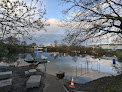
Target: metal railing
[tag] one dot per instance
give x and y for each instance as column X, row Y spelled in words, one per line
column 87, row 66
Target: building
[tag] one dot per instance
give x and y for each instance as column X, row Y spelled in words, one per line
column 111, row 46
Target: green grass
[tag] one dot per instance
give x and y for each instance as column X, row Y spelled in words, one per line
column 113, row 87
column 119, row 55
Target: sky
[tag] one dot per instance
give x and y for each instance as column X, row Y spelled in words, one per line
column 53, row 15
column 54, row 32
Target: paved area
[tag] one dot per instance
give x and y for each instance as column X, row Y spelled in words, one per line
column 33, row 81
column 52, row 85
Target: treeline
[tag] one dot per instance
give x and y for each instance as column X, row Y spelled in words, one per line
column 81, row 50
column 12, row 45
column 119, row 55
column 9, row 46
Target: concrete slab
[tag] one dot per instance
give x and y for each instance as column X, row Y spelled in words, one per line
column 32, row 71
column 33, row 81
column 5, row 85
column 5, row 75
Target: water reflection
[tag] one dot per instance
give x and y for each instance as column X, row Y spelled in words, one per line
column 79, row 66
column 83, row 68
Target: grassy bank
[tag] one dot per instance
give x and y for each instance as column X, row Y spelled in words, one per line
column 119, row 55
column 105, row 84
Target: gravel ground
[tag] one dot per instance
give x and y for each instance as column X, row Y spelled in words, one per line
column 19, row 79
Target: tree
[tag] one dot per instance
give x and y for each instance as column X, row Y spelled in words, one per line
column 12, row 41
column 23, row 43
column 89, row 19
column 33, row 44
column 18, row 18
column 41, row 45
column 55, row 43
column 3, row 49
column 117, row 40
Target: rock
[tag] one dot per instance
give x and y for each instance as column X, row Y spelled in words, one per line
column 33, row 81
column 77, row 91
column 26, row 73
column 5, row 85
column 5, row 75
column 60, row 74
column 32, row 71
column 4, row 66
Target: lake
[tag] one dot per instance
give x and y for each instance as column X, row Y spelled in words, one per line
column 83, row 68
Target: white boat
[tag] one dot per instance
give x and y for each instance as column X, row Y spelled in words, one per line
column 40, row 58
column 43, row 57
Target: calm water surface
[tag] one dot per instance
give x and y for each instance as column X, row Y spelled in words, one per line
column 84, row 69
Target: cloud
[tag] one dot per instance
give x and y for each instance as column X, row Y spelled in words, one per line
column 53, row 21
column 47, row 39
column 54, row 32
column 54, row 25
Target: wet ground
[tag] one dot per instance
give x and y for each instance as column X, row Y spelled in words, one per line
column 84, row 69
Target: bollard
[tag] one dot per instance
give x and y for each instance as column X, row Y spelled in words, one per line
column 99, row 59
column 114, row 61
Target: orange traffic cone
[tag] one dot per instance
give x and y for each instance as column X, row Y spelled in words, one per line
column 72, row 83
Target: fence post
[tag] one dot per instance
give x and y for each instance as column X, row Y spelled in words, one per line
column 81, row 69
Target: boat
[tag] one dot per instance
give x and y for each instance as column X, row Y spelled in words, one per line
column 36, row 59
column 43, row 57
column 29, row 59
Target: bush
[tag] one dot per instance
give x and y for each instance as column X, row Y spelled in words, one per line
column 119, row 55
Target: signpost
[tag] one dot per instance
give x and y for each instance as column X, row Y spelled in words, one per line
column 37, row 54
column 45, row 51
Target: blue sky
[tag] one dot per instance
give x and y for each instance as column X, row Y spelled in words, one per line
column 53, row 16
column 54, row 10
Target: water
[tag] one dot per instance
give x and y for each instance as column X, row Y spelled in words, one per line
column 84, row 69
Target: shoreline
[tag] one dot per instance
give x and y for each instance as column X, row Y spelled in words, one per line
column 110, row 83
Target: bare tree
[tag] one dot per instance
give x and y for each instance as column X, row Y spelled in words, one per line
column 88, row 19
column 18, row 18
column 117, row 40
column 55, row 43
